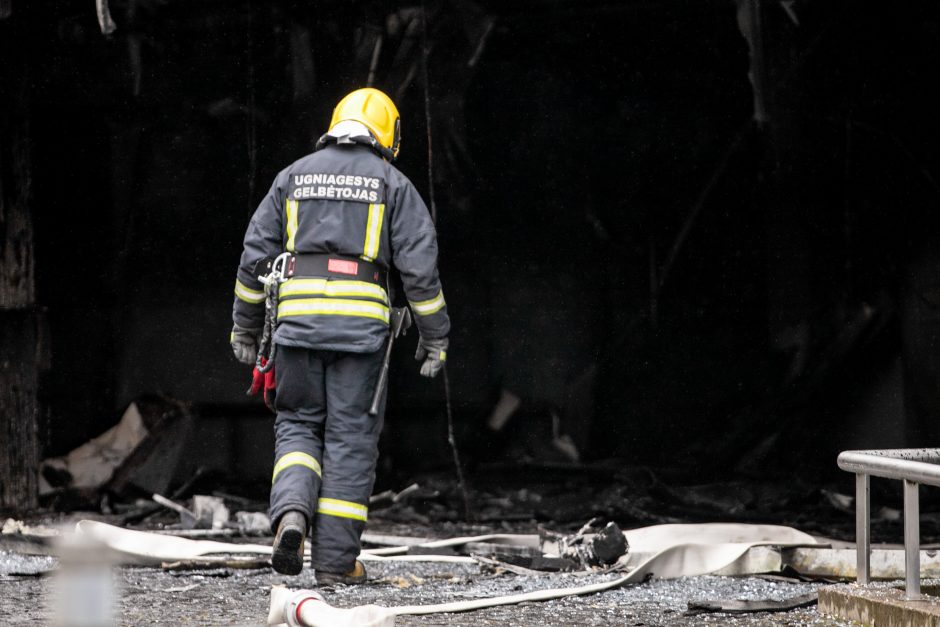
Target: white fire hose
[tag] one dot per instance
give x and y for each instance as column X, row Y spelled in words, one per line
column 306, row 608
column 673, row 550
column 678, row 551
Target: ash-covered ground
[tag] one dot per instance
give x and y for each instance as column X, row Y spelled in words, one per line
column 151, row 596
column 517, row 503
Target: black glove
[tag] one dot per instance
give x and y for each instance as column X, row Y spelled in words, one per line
column 245, row 344
column 434, row 354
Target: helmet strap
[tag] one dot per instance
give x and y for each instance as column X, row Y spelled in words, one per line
column 370, row 141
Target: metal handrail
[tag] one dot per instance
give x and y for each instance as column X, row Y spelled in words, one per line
column 913, row 467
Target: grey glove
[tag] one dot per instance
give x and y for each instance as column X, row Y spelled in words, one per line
column 245, row 344
column 434, row 354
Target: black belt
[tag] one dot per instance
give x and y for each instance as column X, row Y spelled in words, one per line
column 319, row 265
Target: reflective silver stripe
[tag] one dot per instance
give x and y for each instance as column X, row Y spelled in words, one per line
column 370, row 249
column 247, row 294
column 332, row 307
column 342, row 509
column 427, row 307
column 292, row 208
column 296, row 458
column 317, row 287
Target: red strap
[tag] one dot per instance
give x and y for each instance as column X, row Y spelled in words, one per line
column 270, row 388
column 300, row 605
column 258, row 380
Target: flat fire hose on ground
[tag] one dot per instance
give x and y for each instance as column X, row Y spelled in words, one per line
column 675, row 551
column 710, row 546
column 306, row 608
column 726, row 544
column 140, row 548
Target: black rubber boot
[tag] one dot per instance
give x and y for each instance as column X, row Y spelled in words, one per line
column 356, row 575
column 288, row 556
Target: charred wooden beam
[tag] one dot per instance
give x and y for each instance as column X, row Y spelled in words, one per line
column 20, row 364
column 21, row 355
column 17, row 266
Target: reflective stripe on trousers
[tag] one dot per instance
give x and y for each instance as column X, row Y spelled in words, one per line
column 297, row 458
column 342, row 509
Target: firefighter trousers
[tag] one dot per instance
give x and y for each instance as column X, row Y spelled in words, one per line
column 326, row 447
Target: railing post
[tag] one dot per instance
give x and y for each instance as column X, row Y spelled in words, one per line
column 911, row 539
column 862, row 528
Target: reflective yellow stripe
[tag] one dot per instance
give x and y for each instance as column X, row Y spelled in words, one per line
column 247, row 294
column 343, row 509
column 292, row 208
column 443, row 356
column 427, row 307
column 370, row 250
column 332, row 307
column 317, row 287
column 296, row 459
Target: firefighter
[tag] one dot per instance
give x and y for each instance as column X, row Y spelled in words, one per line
column 347, row 216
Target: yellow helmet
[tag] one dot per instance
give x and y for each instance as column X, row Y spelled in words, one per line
column 377, row 112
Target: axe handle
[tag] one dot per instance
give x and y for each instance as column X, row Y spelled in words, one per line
column 400, row 322
column 383, row 377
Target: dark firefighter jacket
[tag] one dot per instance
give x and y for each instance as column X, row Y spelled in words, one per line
column 343, row 200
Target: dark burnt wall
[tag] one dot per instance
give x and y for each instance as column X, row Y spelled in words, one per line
column 23, row 337
column 620, row 240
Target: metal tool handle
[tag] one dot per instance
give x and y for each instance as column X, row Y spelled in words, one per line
column 383, row 378
column 400, row 322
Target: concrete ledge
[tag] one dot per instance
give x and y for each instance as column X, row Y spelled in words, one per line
column 879, row 605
